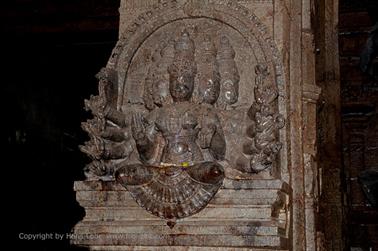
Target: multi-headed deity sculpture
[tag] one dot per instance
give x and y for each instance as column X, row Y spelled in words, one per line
column 171, row 151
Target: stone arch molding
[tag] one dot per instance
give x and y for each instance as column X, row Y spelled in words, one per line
column 225, row 11
column 256, row 147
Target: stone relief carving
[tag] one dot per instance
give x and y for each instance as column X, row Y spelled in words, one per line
column 174, row 180
column 229, row 74
column 184, row 117
column 209, row 79
column 265, row 123
column 108, row 136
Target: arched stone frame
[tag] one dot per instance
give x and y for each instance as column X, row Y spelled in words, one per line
column 227, row 12
column 293, row 31
column 297, row 79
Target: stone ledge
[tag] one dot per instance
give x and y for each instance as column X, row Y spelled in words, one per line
column 176, row 248
column 227, row 184
column 224, row 194
column 210, row 213
column 203, row 228
column 129, row 202
column 236, row 240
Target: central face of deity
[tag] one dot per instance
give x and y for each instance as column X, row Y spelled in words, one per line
column 181, row 86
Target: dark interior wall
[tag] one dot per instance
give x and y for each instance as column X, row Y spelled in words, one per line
column 51, row 51
column 359, row 114
column 330, row 213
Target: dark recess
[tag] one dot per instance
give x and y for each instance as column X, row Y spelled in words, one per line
column 51, row 51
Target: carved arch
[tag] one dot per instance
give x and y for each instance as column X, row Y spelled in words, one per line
column 227, row 12
column 240, row 19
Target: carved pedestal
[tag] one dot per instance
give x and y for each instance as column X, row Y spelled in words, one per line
column 242, row 215
column 199, row 138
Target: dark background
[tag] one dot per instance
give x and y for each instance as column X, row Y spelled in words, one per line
column 51, row 51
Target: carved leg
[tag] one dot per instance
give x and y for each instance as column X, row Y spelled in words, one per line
column 207, row 172
column 133, row 175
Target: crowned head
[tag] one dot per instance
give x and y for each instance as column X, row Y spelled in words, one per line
column 183, row 69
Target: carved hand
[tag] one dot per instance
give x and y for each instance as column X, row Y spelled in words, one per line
column 137, row 127
column 205, row 135
column 97, row 105
column 94, row 148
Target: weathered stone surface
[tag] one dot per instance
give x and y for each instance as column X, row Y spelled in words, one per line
column 329, row 126
column 186, row 240
column 131, row 9
column 180, row 119
column 103, row 203
column 230, row 164
column 209, row 213
column 243, row 217
column 264, row 228
column 250, row 184
column 224, row 197
column 176, row 248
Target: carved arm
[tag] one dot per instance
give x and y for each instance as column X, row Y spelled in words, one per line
column 149, row 149
column 218, row 146
column 211, row 136
column 115, row 116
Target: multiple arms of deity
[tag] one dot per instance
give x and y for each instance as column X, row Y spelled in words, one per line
column 211, row 136
column 148, row 142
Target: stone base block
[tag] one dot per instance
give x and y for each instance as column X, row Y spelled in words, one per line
column 176, row 248
column 243, row 214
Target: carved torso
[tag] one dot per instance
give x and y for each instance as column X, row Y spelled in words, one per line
column 178, row 125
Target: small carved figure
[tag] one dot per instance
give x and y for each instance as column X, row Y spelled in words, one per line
column 266, row 122
column 157, row 82
column 160, row 88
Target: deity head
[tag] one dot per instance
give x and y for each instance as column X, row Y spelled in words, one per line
column 160, row 92
column 226, row 51
column 209, row 79
column 210, row 91
column 160, row 86
column 183, row 70
column 229, row 72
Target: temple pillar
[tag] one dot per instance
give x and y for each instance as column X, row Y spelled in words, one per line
column 269, row 196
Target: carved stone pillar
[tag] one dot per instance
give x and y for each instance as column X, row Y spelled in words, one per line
column 311, row 172
column 329, row 125
column 203, row 135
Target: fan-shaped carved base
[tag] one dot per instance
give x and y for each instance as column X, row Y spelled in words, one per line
column 172, row 192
